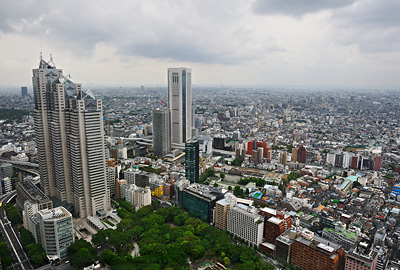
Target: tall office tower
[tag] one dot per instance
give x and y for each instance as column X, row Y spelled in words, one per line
column 180, row 103
column 53, row 230
column 161, row 132
column 192, row 161
column 24, row 91
column 69, row 136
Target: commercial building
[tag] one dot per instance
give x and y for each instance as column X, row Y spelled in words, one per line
column 180, row 103
column 161, row 132
column 200, row 200
column 245, row 222
column 362, row 256
column 6, row 170
column 52, row 228
column 24, row 91
column 221, row 211
column 315, row 253
column 69, row 135
column 192, row 161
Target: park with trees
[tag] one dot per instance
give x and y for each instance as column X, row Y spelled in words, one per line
column 168, row 239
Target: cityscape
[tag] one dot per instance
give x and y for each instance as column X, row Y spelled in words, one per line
column 223, row 144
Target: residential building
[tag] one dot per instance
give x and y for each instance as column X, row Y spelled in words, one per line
column 69, row 135
column 180, row 103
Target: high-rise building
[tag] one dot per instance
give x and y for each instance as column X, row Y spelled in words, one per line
column 161, row 132
column 180, row 103
column 302, row 155
column 69, row 136
column 24, row 91
column 294, row 154
column 192, row 161
column 52, row 228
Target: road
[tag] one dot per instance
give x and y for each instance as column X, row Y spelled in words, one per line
column 21, row 261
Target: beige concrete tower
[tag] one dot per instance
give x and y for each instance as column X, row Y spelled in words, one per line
column 180, row 103
column 70, row 140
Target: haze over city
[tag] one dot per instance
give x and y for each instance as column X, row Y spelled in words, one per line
column 291, row 43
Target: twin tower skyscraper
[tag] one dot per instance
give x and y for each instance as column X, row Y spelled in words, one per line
column 70, row 141
column 69, row 135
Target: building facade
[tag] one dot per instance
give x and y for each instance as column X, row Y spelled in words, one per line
column 244, row 222
column 362, row 256
column 315, row 253
column 192, row 159
column 69, row 135
column 54, row 229
column 221, row 211
column 161, row 132
column 180, row 103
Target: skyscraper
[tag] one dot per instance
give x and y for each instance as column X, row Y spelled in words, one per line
column 161, row 132
column 24, row 91
column 192, row 161
column 69, row 136
column 180, row 103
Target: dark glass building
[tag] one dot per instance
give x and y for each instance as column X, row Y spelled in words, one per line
column 192, row 161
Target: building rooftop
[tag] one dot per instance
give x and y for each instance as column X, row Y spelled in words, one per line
column 207, row 192
column 54, row 214
column 33, row 190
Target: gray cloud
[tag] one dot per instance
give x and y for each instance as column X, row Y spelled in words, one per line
column 374, row 26
column 179, row 30
column 297, row 7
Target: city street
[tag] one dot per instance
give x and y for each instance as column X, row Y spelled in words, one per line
column 21, row 261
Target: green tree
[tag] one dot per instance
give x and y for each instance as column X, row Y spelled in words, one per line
column 226, row 261
column 222, row 175
column 107, row 255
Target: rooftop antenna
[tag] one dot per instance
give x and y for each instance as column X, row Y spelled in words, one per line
column 51, row 57
column 41, row 57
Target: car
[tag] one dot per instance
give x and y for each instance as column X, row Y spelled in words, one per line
column 67, row 262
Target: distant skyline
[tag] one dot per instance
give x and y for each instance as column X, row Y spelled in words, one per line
column 310, row 43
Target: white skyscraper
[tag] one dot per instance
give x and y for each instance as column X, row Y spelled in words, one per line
column 69, row 136
column 180, row 103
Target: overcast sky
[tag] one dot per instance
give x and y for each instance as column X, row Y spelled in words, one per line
column 248, row 42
